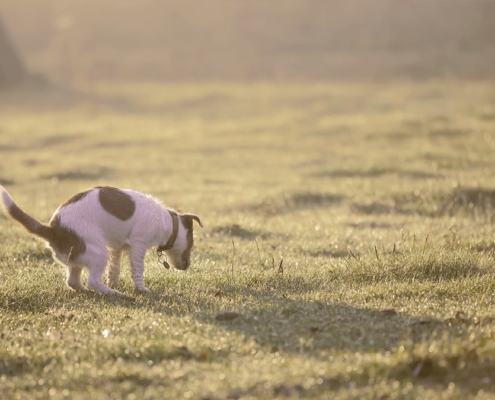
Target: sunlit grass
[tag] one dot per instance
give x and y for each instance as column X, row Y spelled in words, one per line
column 350, row 226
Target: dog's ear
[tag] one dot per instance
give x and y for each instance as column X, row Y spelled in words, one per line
column 193, row 217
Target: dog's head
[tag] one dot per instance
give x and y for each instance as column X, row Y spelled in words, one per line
column 180, row 253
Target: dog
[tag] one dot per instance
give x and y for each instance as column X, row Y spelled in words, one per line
column 93, row 228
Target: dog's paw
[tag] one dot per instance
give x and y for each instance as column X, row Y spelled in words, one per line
column 78, row 287
column 107, row 291
column 115, row 293
column 142, row 290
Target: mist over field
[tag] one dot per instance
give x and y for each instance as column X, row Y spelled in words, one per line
column 340, row 155
column 254, row 40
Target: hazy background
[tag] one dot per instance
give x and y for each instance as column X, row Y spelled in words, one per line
column 340, row 155
column 292, row 40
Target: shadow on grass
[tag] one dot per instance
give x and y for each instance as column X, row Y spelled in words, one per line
column 337, row 253
column 237, row 231
column 374, row 173
column 91, row 174
column 321, row 330
column 471, row 202
column 281, row 324
column 280, row 314
column 7, row 182
column 296, row 201
column 49, row 96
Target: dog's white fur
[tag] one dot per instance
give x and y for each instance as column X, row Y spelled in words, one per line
column 105, row 236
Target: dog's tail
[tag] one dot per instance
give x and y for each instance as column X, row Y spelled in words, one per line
column 30, row 223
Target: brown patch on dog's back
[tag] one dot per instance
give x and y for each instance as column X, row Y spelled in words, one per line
column 66, row 241
column 76, row 198
column 117, row 203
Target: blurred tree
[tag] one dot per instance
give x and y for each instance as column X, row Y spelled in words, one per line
column 11, row 68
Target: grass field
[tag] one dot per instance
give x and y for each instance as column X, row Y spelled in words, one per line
column 350, row 226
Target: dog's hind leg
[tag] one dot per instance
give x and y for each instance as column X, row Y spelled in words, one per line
column 96, row 259
column 74, row 277
column 137, row 254
column 114, row 267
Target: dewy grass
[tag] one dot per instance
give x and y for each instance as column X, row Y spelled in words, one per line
column 433, row 264
column 348, row 243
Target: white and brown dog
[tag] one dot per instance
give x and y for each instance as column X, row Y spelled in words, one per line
column 94, row 227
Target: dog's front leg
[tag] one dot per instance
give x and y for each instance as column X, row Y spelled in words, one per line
column 114, row 268
column 137, row 254
column 74, row 277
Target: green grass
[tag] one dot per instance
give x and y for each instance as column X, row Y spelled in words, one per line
column 350, row 226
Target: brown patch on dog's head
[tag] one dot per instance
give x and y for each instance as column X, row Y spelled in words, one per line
column 188, row 218
column 116, row 203
column 66, row 244
column 182, row 260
